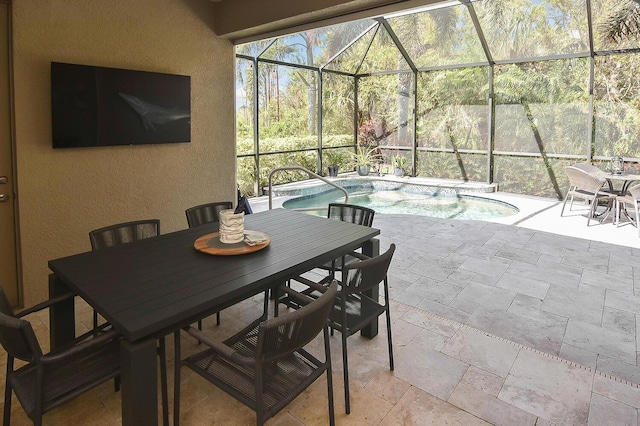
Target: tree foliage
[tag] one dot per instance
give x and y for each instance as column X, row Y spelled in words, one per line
column 538, row 93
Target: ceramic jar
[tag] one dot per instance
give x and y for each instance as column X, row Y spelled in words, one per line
column 231, row 226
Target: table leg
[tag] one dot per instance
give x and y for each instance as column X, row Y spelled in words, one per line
column 139, row 383
column 371, row 248
column 62, row 315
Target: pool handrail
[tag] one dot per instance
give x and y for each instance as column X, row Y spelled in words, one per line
column 311, row 174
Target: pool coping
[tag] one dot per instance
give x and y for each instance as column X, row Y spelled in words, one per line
column 431, row 185
column 528, row 206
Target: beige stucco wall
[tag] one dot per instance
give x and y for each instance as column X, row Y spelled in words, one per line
column 63, row 194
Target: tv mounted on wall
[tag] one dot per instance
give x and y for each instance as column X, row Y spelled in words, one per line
column 97, row 106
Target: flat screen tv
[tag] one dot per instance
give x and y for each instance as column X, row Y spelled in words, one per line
column 97, row 106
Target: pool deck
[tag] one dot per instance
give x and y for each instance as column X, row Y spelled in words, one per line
column 536, row 213
column 537, row 279
column 563, row 296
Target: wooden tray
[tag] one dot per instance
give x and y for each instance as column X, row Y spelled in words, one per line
column 210, row 243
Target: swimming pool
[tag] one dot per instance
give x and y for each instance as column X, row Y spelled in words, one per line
column 399, row 201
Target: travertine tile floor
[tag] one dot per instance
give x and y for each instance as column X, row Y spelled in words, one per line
column 446, row 373
column 492, row 324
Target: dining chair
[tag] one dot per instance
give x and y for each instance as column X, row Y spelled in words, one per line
column 347, row 213
column 46, row 381
column 265, row 366
column 587, row 167
column 632, row 200
column 351, row 213
column 589, row 187
column 354, row 307
column 207, row 213
column 124, row 233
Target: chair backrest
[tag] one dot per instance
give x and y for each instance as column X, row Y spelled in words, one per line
column 351, row 213
column 635, row 192
column 282, row 335
column 16, row 335
column 206, row 213
column 365, row 274
column 580, row 179
column 589, row 168
column 123, row 233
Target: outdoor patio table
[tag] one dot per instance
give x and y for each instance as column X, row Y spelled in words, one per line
column 152, row 287
column 626, row 178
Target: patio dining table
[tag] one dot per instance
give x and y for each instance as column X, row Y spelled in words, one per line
column 149, row 288
column 626, row 178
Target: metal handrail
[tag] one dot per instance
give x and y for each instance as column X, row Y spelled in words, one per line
column 311, row 174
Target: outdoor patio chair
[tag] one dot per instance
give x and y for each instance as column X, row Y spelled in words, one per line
column 587, row 186
column 207, row 213
column 354, row 308
column 347, row 213
column 351, row 213
column 264, row 366
column 632, row 200
column 46, row 381
column 124, row 233
column 587, row 167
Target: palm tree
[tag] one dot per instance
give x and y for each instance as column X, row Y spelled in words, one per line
column 621, row 21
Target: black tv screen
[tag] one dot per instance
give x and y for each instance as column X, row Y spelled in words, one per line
column 97, row 106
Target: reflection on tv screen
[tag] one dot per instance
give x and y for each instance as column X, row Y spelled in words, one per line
column 97, row 106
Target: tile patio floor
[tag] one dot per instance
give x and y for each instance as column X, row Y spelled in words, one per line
column 493, row 323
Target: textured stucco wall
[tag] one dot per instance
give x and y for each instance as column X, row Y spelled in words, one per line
column 63, row 194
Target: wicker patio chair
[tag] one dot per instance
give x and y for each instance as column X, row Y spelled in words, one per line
column 632, row 200
column 353, row 308
column 46, row 381
column 589, row 187
column 264, row 366
column 207, row 213
column 587, row 167
column 124, row 233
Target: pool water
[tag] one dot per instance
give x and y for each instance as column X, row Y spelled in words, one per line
column 447, row 206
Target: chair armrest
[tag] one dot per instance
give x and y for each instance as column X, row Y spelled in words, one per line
column 359, row 255
column 45, row 304
column 312, row 284
column 51, row 358
column 296, row 296
column 220, row 348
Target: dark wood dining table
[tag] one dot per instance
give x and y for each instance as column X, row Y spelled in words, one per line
column 149, row 288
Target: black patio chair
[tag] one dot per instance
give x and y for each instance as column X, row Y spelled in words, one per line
column 49, row 380
column 351, row 213
column 347, row 213
column 207, row 213
column 124, row 233
column 353, row 309
column 264, row 366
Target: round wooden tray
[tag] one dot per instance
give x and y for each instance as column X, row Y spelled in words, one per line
column 210, row 243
